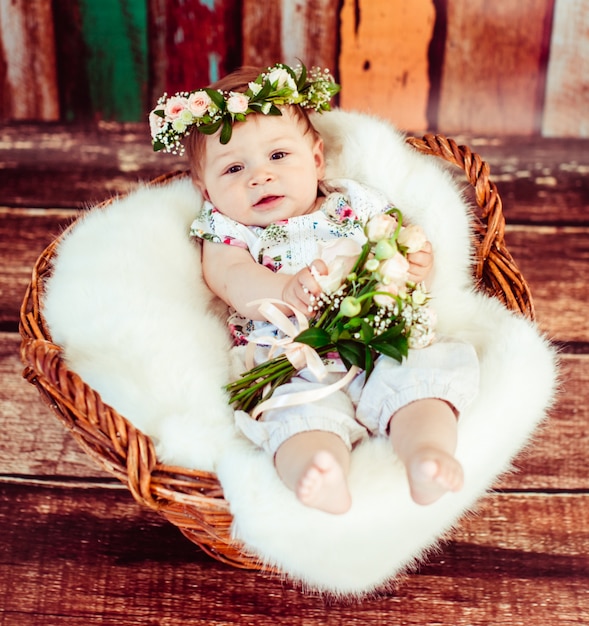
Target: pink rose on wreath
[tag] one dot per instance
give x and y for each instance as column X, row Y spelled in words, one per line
column 174, row 107
column 199, row 103
column 237, row 103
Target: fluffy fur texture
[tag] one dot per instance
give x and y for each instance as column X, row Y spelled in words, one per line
column 127, row 303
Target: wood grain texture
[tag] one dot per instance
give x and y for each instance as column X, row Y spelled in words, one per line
column 555, row 262
column 494, row 66
column 289, row 31
column 384, row 59
column 29, row 87
column 566, row 110
column 97, row 558
column 34, row 443
column 541, row 181
column 81, row 164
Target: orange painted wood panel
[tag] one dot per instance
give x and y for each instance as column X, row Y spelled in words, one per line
column 566, row 111
column 494, row 66
column 28, row 82
column 384, row 59
column 291, row 30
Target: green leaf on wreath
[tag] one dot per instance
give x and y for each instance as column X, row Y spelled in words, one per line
column 226, row 132
column 217, row 98
column 302, row 78
column 210, row 129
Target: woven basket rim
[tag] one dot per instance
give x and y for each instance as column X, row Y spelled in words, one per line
column 193, row 500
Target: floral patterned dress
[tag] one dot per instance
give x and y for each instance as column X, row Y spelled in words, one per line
column 289, row 245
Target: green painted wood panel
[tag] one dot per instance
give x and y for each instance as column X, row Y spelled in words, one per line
column 115, row 36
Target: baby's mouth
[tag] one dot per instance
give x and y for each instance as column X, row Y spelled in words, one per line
column 266, row 201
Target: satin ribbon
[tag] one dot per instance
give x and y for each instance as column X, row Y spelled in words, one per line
column 299, row 354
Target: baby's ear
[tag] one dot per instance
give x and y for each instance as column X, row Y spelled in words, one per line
column 200, row 186
column 319, row 156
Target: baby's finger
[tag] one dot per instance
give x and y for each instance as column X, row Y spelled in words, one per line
column 319, row 266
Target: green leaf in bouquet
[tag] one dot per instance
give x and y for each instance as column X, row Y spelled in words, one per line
column 352, row 352
column 394, row 345
column 367, row 331
column 369, row 363
column 314, row 337
column 361, row 258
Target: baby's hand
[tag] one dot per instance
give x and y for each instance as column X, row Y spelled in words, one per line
column 300, row 288
column 421, row 263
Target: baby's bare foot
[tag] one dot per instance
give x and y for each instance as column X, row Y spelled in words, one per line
column 432, row 473
column 324, row 486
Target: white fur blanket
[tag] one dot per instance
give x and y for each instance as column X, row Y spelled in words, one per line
column 127, row 303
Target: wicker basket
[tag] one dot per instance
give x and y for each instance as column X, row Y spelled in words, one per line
column 193, row 500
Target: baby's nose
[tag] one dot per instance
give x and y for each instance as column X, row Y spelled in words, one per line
column 260, row 176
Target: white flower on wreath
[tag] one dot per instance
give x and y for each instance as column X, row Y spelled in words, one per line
column 156, row 123
column 178, row 125
column 282, row 79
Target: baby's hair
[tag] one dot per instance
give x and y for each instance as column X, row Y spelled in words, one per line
column 237, row 81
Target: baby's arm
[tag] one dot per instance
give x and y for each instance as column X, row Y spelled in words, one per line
column 232, row 274
column 421, row 264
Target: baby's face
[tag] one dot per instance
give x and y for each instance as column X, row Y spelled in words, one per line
column 267, row 172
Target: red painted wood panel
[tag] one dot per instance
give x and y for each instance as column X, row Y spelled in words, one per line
column 202, row 42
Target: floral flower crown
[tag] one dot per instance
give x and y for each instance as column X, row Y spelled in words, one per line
column 208, row 110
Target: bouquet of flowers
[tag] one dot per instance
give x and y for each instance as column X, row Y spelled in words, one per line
column 368, row 307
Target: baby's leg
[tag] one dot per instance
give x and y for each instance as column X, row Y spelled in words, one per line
column 315, row 464
column 423, row 434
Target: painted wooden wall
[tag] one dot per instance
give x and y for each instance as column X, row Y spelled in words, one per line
column 510, row 67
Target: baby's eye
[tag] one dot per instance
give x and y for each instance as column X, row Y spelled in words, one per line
column 233, row 169
column 279, row 154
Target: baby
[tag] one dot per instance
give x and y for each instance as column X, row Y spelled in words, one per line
column 259, row 164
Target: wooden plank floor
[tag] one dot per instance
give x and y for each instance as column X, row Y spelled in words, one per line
column 77, row 550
